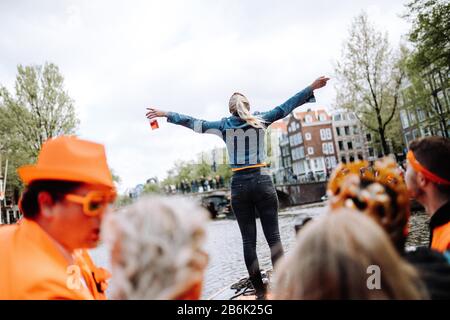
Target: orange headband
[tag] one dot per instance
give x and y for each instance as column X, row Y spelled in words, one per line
column 428, row 174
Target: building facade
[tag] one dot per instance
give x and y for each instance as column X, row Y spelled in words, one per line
column 426, row 120
column 274, row 136
column 311, row 140
column 352, row 142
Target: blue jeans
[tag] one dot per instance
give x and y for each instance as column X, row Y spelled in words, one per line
column 253, row 189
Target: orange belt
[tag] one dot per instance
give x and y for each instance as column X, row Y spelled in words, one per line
column 258, row 165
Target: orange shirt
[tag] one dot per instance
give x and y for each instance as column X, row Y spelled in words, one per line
column 441, row 238
column 440, row 229
column 33, row 267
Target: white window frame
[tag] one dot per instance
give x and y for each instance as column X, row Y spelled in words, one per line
column 308, row 136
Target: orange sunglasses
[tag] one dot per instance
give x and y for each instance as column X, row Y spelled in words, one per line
column 93, row 203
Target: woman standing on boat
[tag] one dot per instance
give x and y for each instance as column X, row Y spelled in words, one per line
column 251, row 184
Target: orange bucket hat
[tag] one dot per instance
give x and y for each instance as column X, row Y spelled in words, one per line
column 71, row 159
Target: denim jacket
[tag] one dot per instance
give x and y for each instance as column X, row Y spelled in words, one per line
column 245, row 144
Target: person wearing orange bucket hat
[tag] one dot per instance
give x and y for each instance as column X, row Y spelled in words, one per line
column 44, row 256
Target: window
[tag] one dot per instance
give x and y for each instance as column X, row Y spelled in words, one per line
column 294, row 154
column 408, row 138
column 351, row 116
column 301, row 166
column 310, row 150
column 325, row 148
column 355, row 130
column 426, row 131
column 333, row 162
column 291, row 141
column 337, row 117
column 370, row 152
column 302, row 152
column 318, row 164
column 360, row 156
column 297, row 125
column 323, row 135
column 308, row 136
column 412, row 117
column 404, row 119
column 292, row 126
column 308, row 119
column 347, row 130
column 338, row 131
column 421, row 114
column 341, row 145
column 343, row 160
column 369, row 137
column 322, row 117
column 352, row 158
column 330, row 148
column 328, row 132
column 350, row 146
column 415, row 134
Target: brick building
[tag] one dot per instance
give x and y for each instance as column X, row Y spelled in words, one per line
column 311, row 141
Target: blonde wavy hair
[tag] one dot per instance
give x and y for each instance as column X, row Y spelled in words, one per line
column 331, row 259
column 240, row 106
column 156, row 248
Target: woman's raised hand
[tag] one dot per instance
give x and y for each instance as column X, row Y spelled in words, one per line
column 319, row 83
column 155, row 113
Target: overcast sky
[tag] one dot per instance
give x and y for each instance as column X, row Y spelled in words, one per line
column 119, row 57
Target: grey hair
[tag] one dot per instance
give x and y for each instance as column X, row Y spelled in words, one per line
column 239, row 105
column 156, row 248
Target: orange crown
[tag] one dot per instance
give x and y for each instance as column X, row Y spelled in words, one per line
column 377, row 190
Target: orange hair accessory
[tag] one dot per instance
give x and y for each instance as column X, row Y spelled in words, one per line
column 428, row 174
column 359, row 186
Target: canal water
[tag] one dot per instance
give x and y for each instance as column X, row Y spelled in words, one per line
column 224, row 245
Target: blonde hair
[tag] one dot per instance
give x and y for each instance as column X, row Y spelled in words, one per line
column 240, row 106
column 331, row 259
column 156, row 248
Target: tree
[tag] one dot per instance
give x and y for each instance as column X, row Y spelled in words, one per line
column 40, row 109
column 430, row 32
column 369, row 78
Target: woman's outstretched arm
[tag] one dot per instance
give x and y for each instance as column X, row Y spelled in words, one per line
column 198, row 125
column 306, row 95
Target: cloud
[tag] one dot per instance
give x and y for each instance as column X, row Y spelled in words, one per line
column 119, row 57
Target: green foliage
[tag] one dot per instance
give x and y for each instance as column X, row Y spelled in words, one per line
column 39, row 109
column 430, row 32
column 122, row 201
column 151, row 188
column 190, row 170
column 369, row 78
